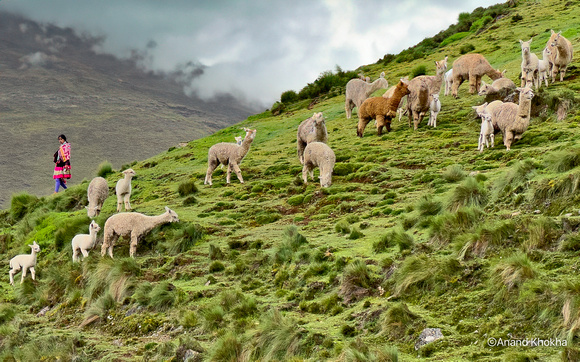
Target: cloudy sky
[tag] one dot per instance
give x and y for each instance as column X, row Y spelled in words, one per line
column 255, row 49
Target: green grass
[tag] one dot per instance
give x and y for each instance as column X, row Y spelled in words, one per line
column 418, row 230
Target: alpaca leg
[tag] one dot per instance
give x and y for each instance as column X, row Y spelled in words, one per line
column 555, row 70
column 75, row 255
column 348, row 108
column 238, row 172
column 305, row 174
column 211, row 166
column 85, row 253
column 472, row 83
column 32, row 273
column 301, row 145
column 380, row 124
column 229, row 173
column 524, row 77
column 12, row 273
column 23, row 275
column 410, row 116
column 126, row 199
column 492, row 139
column 388, row 124
column 119, row 202
column 562, row 73
column 455, row 86
column 362, row 123
column 133, row 247
column 508, row 140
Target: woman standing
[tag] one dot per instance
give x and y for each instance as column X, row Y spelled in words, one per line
column 62, row 164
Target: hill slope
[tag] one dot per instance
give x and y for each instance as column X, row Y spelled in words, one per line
column 53, row 82
column 418, row 230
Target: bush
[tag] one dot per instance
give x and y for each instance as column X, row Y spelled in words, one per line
column 466, row 48
column 289, row 97
column 342, row 227
column 187, row 188
column 418, row 70
column 105, row 168
column 21, row 204
column 216, row 266
column 453, row 38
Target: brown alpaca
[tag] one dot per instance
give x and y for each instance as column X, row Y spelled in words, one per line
column 472, row 67
column 562, row 53
column 420, row 88
column 381, row 109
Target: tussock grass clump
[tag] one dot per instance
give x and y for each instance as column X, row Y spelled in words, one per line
column 570, row 242
column 187, row 188
column 116, row 276
column 453, row 173
column 468, row 193
column 101, row 306
column 493, row 233
column 512, row 272
column 7, row 313
column 229, row 347
column 21, row 204
column 558, row 193
column 292, row 241
column 562, row 161
column 514, row 181
column 355, row 234
column 542, row 233
column 215, row 252
column 356, row 280
column 163, row 296
column 395, row 237
column 278, row 338
column 420, row 273
column 216, row 267
column 189, row 319
column 342, row 227
column 68, row 229
column 397, row 320
column 426, row 206
column 183, row 237
column 214, row 318
column 104, row 169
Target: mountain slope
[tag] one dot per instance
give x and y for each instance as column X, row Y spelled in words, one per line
column 418, row 230
column 53, row 82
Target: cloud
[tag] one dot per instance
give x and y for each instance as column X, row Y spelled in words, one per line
column 258, row 48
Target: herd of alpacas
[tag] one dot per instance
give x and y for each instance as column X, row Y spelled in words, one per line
column 416, row 97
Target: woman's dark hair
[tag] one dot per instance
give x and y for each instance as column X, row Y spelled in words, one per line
column 63, row 137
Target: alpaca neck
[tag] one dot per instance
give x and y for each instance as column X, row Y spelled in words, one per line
column 397, row 96
column 374, row 86
column 244, row 148
column 33, row 254
column 562, row 49
column 524, row 109
column 158, row 220
column 93, row 235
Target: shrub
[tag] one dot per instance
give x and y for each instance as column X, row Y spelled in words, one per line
column 163, row 296
column 355, row 234
column 187, row 188
column 453, row 38
column 21, row 204
column 418, row 70
column 480, row 23
column 105, row 168
column 216, row 266
column 289, row 97
column 466, row 48
column 342, row 227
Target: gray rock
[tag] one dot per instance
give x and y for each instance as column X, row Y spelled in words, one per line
column 427, row 336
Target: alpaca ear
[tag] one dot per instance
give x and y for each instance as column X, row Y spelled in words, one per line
column 521, row 41
column 552, row 30
column 167, row 208
column 531, row 39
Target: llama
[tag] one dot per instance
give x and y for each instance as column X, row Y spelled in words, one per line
column 420, row 89
column 358, row 90
column 84, row 242
column 472, row 67
column 562, row 54
column 123, row 190
column 512, row 119
column 133, row 225
column 24, row 262
column 381, row 109
column 229, row 154
column 530, row 65
column 435, row 108
column 310, row 130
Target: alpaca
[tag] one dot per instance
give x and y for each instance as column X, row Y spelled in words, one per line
column 448, row 81
column 358, row 90
column 420, row 89
column 229, row 154
column 486, row 134
column 472, row 67
column 310, row 130
column 24, row 262
column 544, row 67
column 381, row 109
column 84, row 242
column 512, row 119
column 318, row 154
column 134, row 225
column 530, row 65
column 435, row 108
column 501, row 89
column 97, row 193
column 123, row 190
column 562, row 54
column 486, row 108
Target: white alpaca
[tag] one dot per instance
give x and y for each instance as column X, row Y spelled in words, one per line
column 358, row 90
column 134, row 225
column 544, row 67
column 486, row 134
column 24, row 262
column 97, row 194
column 123, row 190
column 85, row 242
column 448, row 81
column 435, row 108
column 229, row 154
column 529, row 65
column 318, row 154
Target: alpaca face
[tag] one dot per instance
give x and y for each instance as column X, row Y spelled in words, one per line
column 250, row 135
column 403, row 87
column 94, row 227
column 526, row 93
column 325, row 180
column 525, row 46
column 129, row 172
column 556, row 39
column 35, row 247
column 173, row 214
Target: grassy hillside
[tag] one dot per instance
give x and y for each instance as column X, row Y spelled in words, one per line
column 418, row 230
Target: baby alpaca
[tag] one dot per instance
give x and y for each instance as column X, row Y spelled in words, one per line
column 84, row 242
column 486, row 134
column 134, row 225
column 97, row 194
column 312, row 129
column 229, row 154
column 123, row 190
column 435, row 107
column 24, row 262
column 529, row 65
column 544, row 67
column 318, row 154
